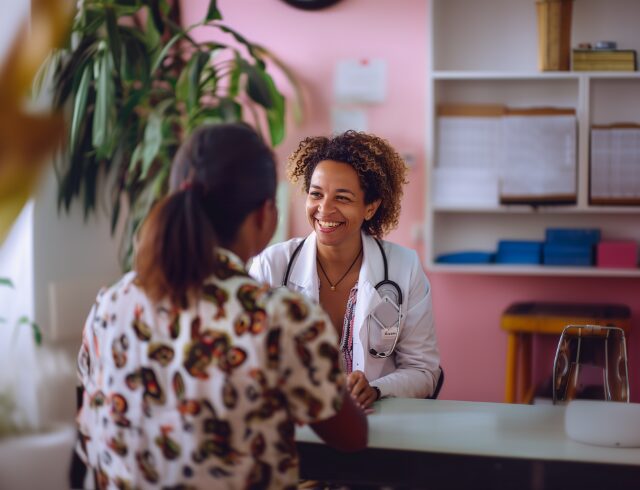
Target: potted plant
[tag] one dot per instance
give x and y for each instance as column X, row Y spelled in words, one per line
column 32, row 429
column 137, row 83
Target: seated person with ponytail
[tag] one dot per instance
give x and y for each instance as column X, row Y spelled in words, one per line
column 194, row 374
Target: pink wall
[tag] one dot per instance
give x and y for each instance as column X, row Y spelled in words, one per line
column 467, row 308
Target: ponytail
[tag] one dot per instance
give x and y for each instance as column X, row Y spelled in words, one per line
column 175, row 251
column 219, row 175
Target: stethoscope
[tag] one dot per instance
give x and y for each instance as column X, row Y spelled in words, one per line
column 391, row 295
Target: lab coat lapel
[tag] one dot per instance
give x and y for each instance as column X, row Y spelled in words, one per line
column 371, row 273
column 304, row 275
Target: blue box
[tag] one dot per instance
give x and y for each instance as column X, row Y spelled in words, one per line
column 568, row 254
column 519, row 252
column 466, row 258
column 518, row 258
column 589, row 236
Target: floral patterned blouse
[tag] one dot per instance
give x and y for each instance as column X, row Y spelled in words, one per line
column 204, row 397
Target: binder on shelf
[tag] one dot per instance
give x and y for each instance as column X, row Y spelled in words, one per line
column 604, row 60
column 540, row 156
column 604, row 55
column 604, row 66
column 615, row 164
column 520, row 155
column 468, row 155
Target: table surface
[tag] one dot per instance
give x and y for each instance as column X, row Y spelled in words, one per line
column 532, row 432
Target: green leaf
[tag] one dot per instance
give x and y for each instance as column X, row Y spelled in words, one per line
column 213, row 12
column 37, row 333
column 234, row 76
column 135, row 59
column 157, row 15
column 115, row 43
column 230, row 110
column 80, row 104
column 298, row 101
column 136, row 157
column 242, row 40
column 152, row 33
column 207, row 115
column 90, row 182
column 276, row 113
column 162, row 54
column 69, row 70
column 153, row 137
column 258, row 87
column 5, row 281
column 188, row 85
column 152, row 142
column 100, row 115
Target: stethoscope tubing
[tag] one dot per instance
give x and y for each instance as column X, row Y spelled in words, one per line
column 385, row 281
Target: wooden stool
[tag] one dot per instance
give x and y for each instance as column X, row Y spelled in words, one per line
column 522, row 320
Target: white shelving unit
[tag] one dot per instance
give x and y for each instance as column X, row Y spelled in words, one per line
column 485, row 52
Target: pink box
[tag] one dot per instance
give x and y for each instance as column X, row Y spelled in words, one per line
column 617, row 253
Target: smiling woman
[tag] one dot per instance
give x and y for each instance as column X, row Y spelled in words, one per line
column 375, row 292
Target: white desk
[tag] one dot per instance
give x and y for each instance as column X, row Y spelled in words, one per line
column 509, row 444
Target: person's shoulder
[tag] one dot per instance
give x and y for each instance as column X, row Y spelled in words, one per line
column 122, row 290
column 272, row 261
column 287, row 307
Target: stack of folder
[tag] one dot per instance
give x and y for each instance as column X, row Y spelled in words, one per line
column 519, row 252
column 604, row 60
column 570, row 246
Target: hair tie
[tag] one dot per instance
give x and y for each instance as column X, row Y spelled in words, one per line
column 187, row 185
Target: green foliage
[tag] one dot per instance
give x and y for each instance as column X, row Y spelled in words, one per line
column 138, row 83
column 23, row 320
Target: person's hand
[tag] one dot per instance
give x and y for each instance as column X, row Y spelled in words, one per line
column 361, row 391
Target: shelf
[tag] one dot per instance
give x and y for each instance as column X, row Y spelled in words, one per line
column 533, row 270
column 506, row 75
column 471, row 63
column 523, row 209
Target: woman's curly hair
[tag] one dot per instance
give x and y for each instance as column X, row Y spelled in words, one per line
column 380, row 168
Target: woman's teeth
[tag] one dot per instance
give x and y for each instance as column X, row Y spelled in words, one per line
column 328, row 224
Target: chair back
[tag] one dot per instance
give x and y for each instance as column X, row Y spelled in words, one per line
column 588, row 353
column 439, row 384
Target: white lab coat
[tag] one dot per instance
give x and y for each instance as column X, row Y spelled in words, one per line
column 413, row 369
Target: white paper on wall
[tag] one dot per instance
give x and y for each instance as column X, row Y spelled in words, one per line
column 361, row 81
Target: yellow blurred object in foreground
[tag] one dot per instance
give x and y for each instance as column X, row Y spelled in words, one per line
column 26, row 140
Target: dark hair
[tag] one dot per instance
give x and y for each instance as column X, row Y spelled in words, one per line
column 380, row 169
column 219, row 175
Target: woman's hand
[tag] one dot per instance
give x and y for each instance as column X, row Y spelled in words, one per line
column 361, row 391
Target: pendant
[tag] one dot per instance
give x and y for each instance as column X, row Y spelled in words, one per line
column 333, row 288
